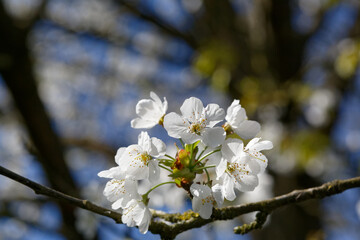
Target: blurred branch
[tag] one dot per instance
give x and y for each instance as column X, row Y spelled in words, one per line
column 5, row 212
column 164, row 27
column 190, row 220
column 91, row 144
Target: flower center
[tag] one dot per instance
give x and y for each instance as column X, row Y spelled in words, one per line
column 208, row 199
column 230, row 168
column 197, row 127
column 240, row 167
column 145, row 157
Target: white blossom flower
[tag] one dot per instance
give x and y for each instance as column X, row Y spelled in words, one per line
column 137, row 161
column 119, row 189
column 254, row 147
column 150, row 112
column 237, row 119
column 203, row 200
column 136, row 213
column 236, row 169
column 196, row 123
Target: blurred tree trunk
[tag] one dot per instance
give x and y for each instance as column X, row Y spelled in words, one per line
column 16, row 68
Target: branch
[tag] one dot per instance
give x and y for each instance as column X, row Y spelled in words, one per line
column 84, row 204
column 189, row 219
column 91, row 144
column 43, row 190
column 257, row 224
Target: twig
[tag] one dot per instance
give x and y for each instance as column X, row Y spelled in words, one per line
column 177, row 223
column 43, row 190
column 164, row 27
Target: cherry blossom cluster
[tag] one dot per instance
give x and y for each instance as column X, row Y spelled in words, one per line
column 211, row 163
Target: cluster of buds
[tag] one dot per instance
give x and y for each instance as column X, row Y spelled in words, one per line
column 210, row 164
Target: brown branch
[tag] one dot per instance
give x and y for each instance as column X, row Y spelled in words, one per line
column 92, row 145
column 189, row 219
column 43, row 190
column 84, row 204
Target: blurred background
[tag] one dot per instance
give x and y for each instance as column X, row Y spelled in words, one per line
column 72, row 71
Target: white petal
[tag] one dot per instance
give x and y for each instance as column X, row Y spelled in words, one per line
column 143, row 123
column 145, row 222
column 262, row 145
column 114, row 172
column 128, row 156
column 220, row 169
column 247, row 183
column 156, row 98
column 231, row 109
column 138, row 212
column 231, row 148
column 261, row 160
column 175, row 125
column 190, row 138
column 154, row 171
column 165, row 106
column 252, row 143
column 255, row 166
column 119, row 154
column 112, row 190
column 137, row 173
column 162, row 105
column 134, row 166
column 149, row 110
column 214, row 114
column 127, row 216
column 158, row 147
column 213, row 159
column 196, row 204
column 131, row 189
column 218, row 194
column 213, row 137
column 229, row 192
column 144, row 141
column 206, row 210
column 247, row 129
column 117, row 204
column 235, row 114
column 199, row 190
column 192, row 109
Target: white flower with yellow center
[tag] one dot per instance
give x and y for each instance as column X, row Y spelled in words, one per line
column 150, row 112
column 237, row 119
column 136, row 213
column 138, row 160
column 196, row 123
column 203, row 200
column 236, row 169
column 119, row 189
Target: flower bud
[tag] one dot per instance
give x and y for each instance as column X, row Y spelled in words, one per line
column 184, row 157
